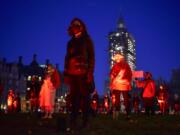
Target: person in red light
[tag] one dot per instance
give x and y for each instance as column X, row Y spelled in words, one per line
column 55, row 79
column 45, row 94
column 106, row 103
column 148, row 93
column 162, row 96
column 79, row 70
column 17, row 103
column 48, row 91
column 120, row 83
column 55, row 76
column 10, row 100
column 113, row 100
column 94, row 103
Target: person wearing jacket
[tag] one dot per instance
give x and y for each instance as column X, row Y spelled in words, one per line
column 94, row 103
column 120, row 83
column 45, row 99
column 162, row 97
column 79, row 70
column 148, row 94
column 10, row 100
column 48, row 91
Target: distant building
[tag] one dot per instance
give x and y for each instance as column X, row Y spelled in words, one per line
column 122, row 41
column 10, row 77
column 24, row 78
column 34, row 74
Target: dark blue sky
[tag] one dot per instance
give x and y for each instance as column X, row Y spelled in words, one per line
column 40, row 26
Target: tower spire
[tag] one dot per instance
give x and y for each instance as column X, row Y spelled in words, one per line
column 121, row 23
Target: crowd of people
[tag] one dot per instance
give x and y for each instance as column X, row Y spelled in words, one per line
column 43, row 100
column 82, row 96
column 148, row 99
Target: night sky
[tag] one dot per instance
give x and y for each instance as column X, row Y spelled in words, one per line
column 40, row 26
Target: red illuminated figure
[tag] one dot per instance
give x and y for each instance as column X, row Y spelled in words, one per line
column 79, row 70
column 106, row 103
column 10, row 100
column 94, row 103
column 121, row 76
column 113, row 100
column 148, row 93
column 17, row 103
column 48, row 91
column 162, row 96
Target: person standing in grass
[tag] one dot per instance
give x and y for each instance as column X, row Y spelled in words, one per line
column 120, row 83
column 79, row 70
column 148, row 93
column 48, row 91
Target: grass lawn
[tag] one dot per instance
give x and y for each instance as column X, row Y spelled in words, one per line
column 31, row 124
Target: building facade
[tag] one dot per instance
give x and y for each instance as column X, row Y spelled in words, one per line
column 123, row 42
column 23, row 78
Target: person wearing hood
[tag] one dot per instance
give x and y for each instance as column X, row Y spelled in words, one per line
column 79, row 70
column 120, row 83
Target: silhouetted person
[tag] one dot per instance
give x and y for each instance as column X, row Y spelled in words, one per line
column 136, row 102
column 78, row 70
column 17, row 103
column 34, row 94
column 176, row 104
column 68, row 102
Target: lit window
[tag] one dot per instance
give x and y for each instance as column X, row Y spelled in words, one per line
column 29, row 78
column 40, row 78
column 117, row 34
column 59, row 99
